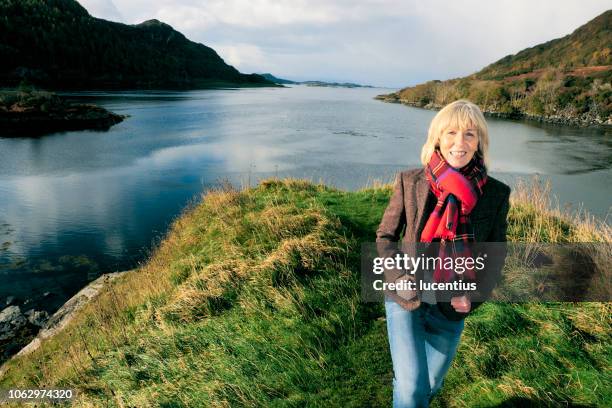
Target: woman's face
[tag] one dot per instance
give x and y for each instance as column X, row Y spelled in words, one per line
column 458, row 146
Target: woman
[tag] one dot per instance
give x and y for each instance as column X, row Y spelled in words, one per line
column 451, row 199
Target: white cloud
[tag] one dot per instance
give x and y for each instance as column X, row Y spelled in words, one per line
column 262, row 13
column 384, row 42
column 246, row 13
column 243, row 55
column 105, row 9
column 187, row 17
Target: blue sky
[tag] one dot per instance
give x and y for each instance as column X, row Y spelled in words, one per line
column 391, row 43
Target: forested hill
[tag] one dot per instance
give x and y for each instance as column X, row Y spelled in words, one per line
column 57, row 44
column 567, row 80
column 588, row 46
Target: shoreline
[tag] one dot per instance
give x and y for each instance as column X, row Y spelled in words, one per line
column 64, row 315
column 76, row 117
column 31, row 113
column 64, row 88
column 553, row 120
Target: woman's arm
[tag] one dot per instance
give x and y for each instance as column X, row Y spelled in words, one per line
column 500, row 228
column 393, row 221
column 498, row 252
column 391, row 227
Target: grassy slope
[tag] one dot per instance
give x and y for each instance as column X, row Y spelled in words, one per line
column 253, row 299
column 566, row 80
column 587, row 46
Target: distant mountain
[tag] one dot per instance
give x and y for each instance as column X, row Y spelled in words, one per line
column 281, row 81
column 567, row 80
column 334, row 84
column 276, row 80
column 57, row 44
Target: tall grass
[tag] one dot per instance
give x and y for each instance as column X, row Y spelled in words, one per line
column 253, row 299
column 536, row 216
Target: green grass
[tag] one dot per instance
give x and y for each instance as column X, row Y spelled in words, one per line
column 253, row 299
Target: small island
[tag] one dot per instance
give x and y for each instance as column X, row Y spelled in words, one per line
column 27, row 113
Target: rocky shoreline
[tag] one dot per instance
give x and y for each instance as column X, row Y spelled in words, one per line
column 565, row 120
column 22, row 332
column 17, row 328
column 36, row 113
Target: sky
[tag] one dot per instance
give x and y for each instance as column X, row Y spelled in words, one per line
column 387, row 43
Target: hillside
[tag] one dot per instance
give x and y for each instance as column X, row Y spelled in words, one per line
column 567, row 80
column 57, row 44
column 276, row 80
column 253, row 300
column 588, row 46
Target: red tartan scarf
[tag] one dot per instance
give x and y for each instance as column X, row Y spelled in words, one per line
column 457, row 192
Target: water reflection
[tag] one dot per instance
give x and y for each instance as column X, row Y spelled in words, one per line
column 73, row 205
column 558, row 149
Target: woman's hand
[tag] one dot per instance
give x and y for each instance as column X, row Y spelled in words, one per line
column 461, row 304
column 405, row 293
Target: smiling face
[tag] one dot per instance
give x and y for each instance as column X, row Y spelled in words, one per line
column 458, row 131
column 458, row 146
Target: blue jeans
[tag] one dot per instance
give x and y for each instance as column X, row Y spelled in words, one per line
column 423, row 344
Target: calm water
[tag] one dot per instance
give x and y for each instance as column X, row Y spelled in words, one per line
column 74, row 205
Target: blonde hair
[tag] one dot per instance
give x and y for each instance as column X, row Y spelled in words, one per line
column 460, row 114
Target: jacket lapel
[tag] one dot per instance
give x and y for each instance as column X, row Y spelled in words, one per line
column 422, row 191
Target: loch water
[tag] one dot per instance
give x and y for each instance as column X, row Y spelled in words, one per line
column 77, row 204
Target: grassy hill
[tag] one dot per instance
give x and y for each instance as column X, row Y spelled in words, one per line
column 57, row 44
column 253, row 299
column 566, row 80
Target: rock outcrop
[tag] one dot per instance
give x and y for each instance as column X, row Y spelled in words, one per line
column 13, row 322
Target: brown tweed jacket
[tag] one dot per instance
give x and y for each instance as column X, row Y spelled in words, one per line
column 410, row 207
